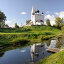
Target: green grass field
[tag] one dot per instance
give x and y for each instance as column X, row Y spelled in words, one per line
column 30, row 33
column 57, row 58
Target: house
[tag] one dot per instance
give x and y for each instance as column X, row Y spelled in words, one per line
column 36, row 17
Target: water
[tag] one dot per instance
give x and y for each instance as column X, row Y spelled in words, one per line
column 28, row 55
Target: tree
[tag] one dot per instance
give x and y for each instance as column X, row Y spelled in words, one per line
column 59, row 22
column 2, row 18
column 28, row 21
column 54, row 25
column 16, row 26
column 48, row 22
column 62, row 28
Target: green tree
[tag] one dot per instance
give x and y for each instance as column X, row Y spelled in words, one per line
column 59, row 22
column 16, row 26
column 28, row 21
column 48, row 22
column 54, row 25
column 2, row 18
column 62, row 28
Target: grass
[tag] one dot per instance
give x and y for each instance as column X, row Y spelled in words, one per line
column 19, row 41
column 57, row 58
column 28, row 33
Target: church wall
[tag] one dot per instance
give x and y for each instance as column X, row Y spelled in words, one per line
column 39, row 23
column 39, row 17
column 36, row 16
column 33, row 19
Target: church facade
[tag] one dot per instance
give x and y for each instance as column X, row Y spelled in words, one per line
column 36, row 17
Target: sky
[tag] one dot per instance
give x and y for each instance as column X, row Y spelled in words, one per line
column 18, row 11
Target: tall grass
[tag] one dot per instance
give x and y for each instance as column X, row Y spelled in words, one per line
column 31, row 33
column 57, row 58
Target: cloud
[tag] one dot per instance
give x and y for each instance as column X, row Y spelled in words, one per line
column 60, row 14
column 11, row 22
column 23, row 50
column 8, row 21
column 51, row 17
column 23, row 13
column 47, row 12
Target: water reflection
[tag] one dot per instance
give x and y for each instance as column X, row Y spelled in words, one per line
column 53, row 44
column 28, row 55
column 38, row 51
column 60, row 42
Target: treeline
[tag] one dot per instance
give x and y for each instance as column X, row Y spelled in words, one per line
column 3, row 19
column 59, row 22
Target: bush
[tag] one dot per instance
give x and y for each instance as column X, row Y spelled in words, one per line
column 62, row 28
column 48, row 22
column 28, row 21
column 48, row 33
column 19, row 41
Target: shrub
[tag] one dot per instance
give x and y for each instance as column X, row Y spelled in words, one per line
column 19, row 41
column 48, row 22
column 62, row 29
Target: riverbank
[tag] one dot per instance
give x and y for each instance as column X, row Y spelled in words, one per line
column 27, row 35
column 57, row 58
column 47, row 43
column 14, row 38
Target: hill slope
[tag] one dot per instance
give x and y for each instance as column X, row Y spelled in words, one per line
column 31, row 33
column 57, row 58
column 29, row 29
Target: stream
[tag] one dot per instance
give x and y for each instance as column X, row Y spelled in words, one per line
column 30, row 54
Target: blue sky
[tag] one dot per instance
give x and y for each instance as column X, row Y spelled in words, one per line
column 18, row 11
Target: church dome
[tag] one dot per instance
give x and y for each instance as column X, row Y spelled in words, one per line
column 37, row 11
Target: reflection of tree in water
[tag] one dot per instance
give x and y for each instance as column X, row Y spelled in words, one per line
column 1, row 52
column 41, row 48
column 47, row 42
column 60, row 42
column 4, row 49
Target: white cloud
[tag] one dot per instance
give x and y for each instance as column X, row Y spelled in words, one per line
column 23, row 50
column 56, row 13
column 11, row 22
column 23, row 13
column 51, row 17
column 47, row 12
column 60, row 14
column 8, row 21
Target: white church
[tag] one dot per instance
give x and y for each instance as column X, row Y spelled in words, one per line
column 36, row 17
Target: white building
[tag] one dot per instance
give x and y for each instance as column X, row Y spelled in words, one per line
column 36, row 17
column 36, row 50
